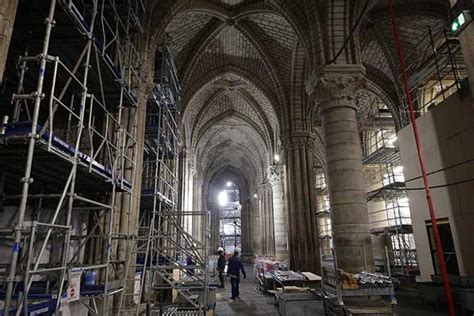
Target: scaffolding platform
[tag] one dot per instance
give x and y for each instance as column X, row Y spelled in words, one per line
column 68, row 151
column 92, row 176
column 388, row 191
column 383, row 155
column 394, row 229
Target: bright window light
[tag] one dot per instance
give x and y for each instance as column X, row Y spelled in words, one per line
column 403, row 200
column 398, row 170
column 392, row 140
column 228, row 184
column 255, row 195
column 276, row 158
column 222, row 198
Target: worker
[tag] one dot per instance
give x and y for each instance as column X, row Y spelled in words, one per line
column 190, row 262
column 221, row 266
column 233, row 271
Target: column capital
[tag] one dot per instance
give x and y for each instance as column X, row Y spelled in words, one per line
column 275, row 174
column 297, row 139
column 335, row 86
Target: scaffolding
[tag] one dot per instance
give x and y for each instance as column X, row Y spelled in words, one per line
column 170, row 265
column 230, row 214
column 435, row 74
column 323, row 213
column 389, row 210
column 68, row 154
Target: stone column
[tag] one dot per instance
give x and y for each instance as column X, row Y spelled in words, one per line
column 215, row 225
column 188, row 195
column 268, row 236
column 246, row 233
column 7, row 19
column 266, row 211
column 335, row 88
column 255, row 227
column 199, row 206
column 280, row 217
column 303, row 242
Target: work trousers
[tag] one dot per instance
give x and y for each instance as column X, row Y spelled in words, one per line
column 234, row 282
column 221, row 277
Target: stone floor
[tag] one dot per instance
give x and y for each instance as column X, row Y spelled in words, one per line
column 250, row 303
column 253, row 303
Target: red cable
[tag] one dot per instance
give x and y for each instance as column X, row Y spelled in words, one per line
column 439, row 247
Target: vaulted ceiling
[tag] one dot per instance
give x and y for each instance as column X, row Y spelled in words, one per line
column 232, row 62
column 242, row 66
column 415, row 19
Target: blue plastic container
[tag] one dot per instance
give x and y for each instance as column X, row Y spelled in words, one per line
column 90, row 277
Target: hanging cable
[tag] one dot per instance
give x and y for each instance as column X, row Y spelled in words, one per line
column 351, row 33
column 439, row 247
column 440, row 170
column 376, row 192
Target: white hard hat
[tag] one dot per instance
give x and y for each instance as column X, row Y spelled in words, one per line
column 220, row 249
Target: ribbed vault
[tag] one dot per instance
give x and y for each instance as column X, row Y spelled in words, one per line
column 230, row 57
column 243, row 65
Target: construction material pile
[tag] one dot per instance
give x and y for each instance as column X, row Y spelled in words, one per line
column 265, row 265
column 367, row 279
column 289, row 276
column 363, row 279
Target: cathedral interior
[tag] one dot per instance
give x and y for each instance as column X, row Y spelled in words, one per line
column 327, row 145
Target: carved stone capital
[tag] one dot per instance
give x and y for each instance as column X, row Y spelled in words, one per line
column 335, row 86
column 275, row 174
column 298, row 139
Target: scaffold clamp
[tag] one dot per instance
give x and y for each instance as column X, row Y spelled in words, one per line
column 29, row 180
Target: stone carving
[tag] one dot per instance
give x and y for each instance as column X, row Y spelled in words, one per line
column 335, row 85
column 298, row 139
column 275, row 174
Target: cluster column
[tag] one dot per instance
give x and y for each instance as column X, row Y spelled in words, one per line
column 256, row 233
column 302, row 222
column 266, row 206
column 335, row 88
column 215, row 217
column 280, row 217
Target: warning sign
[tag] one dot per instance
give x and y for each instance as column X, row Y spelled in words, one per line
column 74, row 285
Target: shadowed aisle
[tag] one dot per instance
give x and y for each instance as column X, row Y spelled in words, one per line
column 250, row 303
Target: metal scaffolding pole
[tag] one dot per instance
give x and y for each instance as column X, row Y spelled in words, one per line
column 161, row 247
column 84, row 152
column 29, row 160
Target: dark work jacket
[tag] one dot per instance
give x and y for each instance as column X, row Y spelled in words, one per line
column 221, row 262
column 235, row 266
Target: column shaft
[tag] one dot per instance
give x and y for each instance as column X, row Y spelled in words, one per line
column 256, row 227
column 280, row 217
column 335, row 90
column 346, row 188
column 303, row 237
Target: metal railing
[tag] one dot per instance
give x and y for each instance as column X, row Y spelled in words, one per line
column 436, row 74
column 78, row 140
column 165, row 256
